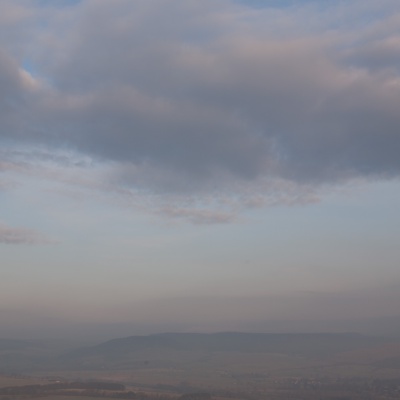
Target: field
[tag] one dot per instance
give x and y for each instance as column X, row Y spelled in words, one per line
column 200, row 368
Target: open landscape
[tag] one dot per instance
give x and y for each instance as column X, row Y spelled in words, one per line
column 203, row 366
column 200, row 199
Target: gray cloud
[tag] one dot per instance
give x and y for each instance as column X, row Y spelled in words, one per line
column 200, row 98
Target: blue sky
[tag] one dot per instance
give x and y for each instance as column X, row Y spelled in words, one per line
column 169, row 156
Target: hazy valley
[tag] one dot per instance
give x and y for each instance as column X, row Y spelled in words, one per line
column 231, row 365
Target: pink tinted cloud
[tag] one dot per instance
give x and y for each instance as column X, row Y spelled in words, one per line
column 21, row 236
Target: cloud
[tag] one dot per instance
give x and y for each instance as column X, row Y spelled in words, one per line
column 214, row 98
column 197, row 216
column 21, row 236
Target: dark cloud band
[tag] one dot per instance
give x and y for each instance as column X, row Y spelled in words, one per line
column 200, row 97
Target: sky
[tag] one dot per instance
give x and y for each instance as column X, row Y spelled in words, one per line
column 198, row 165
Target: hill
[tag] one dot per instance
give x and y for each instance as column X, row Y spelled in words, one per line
column 169, row 346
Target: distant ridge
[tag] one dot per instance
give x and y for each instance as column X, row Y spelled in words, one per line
column 13, row 344
column 180, row 351
column 128, row 349
column 234, row 341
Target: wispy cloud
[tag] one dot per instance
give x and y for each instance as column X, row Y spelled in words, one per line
column 21, row 236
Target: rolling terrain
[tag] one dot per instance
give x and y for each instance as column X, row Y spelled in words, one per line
column 224, row 364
